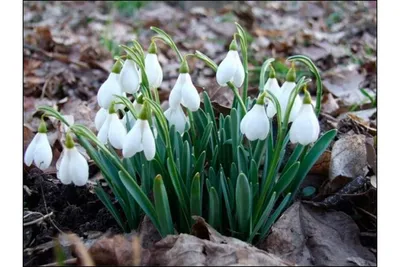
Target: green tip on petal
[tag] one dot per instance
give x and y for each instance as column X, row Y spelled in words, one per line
column 42, row 126
column 291, row 75
column 69, row 141
column 307, row 97
column 116, row 68
column 111, row 109
column 184, row 68
column 139, row 99
column 233, row 45
column 152, row 48
column 145, row 113
column 261, row 98
column 272, row 73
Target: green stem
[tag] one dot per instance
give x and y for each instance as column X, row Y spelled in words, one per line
column 237, row 94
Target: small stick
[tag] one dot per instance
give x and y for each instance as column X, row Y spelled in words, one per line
column 69, row 261
column 39, row 219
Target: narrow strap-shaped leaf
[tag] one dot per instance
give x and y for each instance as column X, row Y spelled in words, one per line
column 143, row 201
column 287, row 177
column 274, row 216
column 205, row 137
column 208, row 107
column 293, row 157
column 195, row 196
column 259, row 151
column 177, row 183
column 235, row 132
column 225, row 189
column 162, row 206
column 263, row 217
column 186, row 165
column 200, row 163
column 243, row 203
column 213, row 212
column 242, row 159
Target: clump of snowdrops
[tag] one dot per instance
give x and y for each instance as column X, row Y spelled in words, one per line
column 185, row 161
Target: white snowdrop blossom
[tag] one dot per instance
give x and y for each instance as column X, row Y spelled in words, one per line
column 153, row 68
column 108, row 89
column 286, row 90
column 129, row 116
column 255, row 124
column 130, row 77
column 177, row 117
column 73, row 166
column 305, row 128
column 113, row 130
column 272, row 85
column 140, row 138
column 231, row 68
column 100, row 118
column 39, row 150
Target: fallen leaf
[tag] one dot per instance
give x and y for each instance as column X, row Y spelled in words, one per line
column 329, row 104
column 349, row 157
column 311, row 236
column 322, row 165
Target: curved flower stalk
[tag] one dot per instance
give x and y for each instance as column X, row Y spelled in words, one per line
column 110, row 87
column 153, row 68
column 305, row 128
column 231, row 68
column 39, row 150
column 112, row 130
column 272, row 85
column 140, row 137
column 130, row 77
column 286, row 90
column 255, row 124
column 184, row 91
column 73, row 167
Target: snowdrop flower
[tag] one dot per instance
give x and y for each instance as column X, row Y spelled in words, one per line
column 112, row 130
column 110, row 87
column 140, row 137
column 272, row 86
column 39, row 150
column 231, row 68
column 100, row 118
column 153, row 68
column 286, row 90
column 255, row 124
column 305, row 128
column 177, row 117
column 129, row 77
column 73, row 167
column 129, row 116
column 184, row 91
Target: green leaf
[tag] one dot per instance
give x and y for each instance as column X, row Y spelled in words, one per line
column 225, row 189
column 199, row 167
column 143, row 201
column 162, row 206
column 242, row 159
column 177, row 183
column 213, row 212
column 259, row 151
column 263, row 217
column 186, row 166
column 293, row 157
column 206, row 136
column 195, row 196
column 287, row 177
column 243, row 203
column 208, row 108
column 312, row 156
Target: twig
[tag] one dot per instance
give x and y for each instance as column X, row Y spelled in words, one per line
column 39, row 219
column 69, row 261
column 45, row 206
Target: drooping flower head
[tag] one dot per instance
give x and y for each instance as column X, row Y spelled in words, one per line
column 39, row 150
column 184, row 92
column 112, row 130
column 140, row 137
column 231, row 68
column 272, row 86
column 110, row 87
column 153, row 68
column 73, row 167
column 255, row 124
column 177, row 117
column 286, row 90
column 130, row 77
column 305, row 128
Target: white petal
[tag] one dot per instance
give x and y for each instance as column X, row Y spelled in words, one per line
column 286, row 89
column 153, row 71
column 137, row 107
column 227, row 68
column 43, row 153
column 305, row 128
column 107, row 91
column 63, row 171
column 116, row 132
column 133, row 140
column 190, row 96
column 149, row 146
column 176, row 116
column 272, row 85
column 175, row 96
column 102, row 135
column 30, row 151
column 129, row 77
column 295, row 108
column 100, row 118
column 257, row 124
column 128, row 117
column 78, row 168
column 238, row 77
